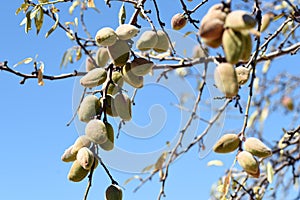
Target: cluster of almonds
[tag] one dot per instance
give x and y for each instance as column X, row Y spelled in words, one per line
column 229, row 29
column 252, row 147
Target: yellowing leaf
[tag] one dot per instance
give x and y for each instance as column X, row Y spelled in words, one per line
column 270, row 172
column 215, row 163
column 24, row 61
column 148, row 168
column 23, row 7
column 266, row 66
column 122, row 14
column 28, row 22
column 54, row 26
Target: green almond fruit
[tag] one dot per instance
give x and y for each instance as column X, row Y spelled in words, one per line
column 288, row 103
column 247, row 46
column 119, row 53
column 147, row 41
column 89, row 108
column 68, row 156
column 227, row 143
column 85, row 157
column 89, row 65
column 77, row 173
column 110, row 105
column 266, row 20
column 123, row 106
column 240, row 20
column 113, row 192
column 178, row 21
column 106, row 37
column 94, row 78
column 247, row 161
column 95, row 130
column 109, row 144
column 127, row 31
column 226, row 79
column 118, row 80
column 102, row 56
column 213, row 43
column 162, row 44
column 141, row 66
column 257, row 148
column 131, row 78
column 81, row 141
column 211, row 28
column 242, row 74
column 233, row 45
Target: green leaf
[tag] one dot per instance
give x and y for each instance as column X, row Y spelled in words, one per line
column 218, row 163
column 122, row 14
column 24, row 61
column 39, row 19
column 270, row 172
column 54, row 26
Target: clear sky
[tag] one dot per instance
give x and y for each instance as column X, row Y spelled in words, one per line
column 33, row 118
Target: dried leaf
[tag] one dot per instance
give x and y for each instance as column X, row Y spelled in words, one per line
column 148, row 168
column 226, row 184
column 160, row 161
column 122, row 14
column 188, row 33
column 78, row 54
column 266, row 66
column 73, row 6
column 23, row 7
column 218, row 163
column 65, row 58
column 91, row 4
column 270, row 172
column 40, row 75
column 132, row 178
column 54, row 26
column 24, row 61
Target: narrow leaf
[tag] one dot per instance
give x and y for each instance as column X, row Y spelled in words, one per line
column 270, row 172
column 132, row 178
column 160, row 161
column 188, row 33
column 122, row 14
column 23, row 7
column 24, row 61
column 38, row 20
column 148, row 168
column 28, row 22
column 54, row 26
column 73, row 6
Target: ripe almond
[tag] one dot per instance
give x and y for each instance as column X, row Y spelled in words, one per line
column 227, row 143
column 257, row 148
column 226, row 79
column 178, row 21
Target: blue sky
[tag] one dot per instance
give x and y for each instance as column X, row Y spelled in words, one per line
column 33, row 120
